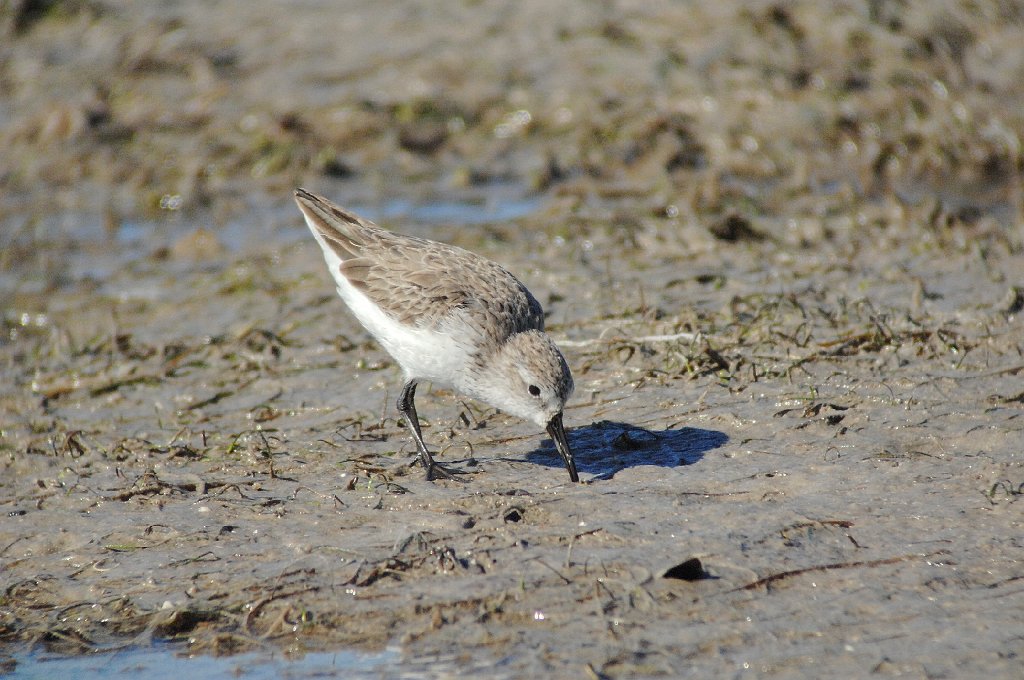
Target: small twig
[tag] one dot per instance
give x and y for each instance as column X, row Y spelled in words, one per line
column 562, row 576
column 247, row 623
column 8, row 546
column 198, row 558
column 829, row 567
column 324, row 496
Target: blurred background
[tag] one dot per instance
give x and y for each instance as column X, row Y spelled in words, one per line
column 123, row 122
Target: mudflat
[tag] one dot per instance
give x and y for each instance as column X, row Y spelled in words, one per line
column 782, row 248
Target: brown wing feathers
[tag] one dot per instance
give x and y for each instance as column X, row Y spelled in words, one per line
column 402, row 273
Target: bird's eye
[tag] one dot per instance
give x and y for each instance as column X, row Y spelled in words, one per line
column 534, row 390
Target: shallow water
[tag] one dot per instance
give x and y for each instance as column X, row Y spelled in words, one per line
column 163, row 662
column 76, row 248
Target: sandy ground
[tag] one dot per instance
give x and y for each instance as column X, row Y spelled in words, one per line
column 781, row 244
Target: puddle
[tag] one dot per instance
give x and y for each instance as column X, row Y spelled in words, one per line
column 163, row 663
column 90, row 252
column 280, row 223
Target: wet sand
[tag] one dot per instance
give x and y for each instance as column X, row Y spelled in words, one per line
column 781, row 247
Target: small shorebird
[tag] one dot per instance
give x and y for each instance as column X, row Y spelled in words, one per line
column 447, row 316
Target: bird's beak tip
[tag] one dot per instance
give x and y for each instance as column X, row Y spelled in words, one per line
column 557, row 432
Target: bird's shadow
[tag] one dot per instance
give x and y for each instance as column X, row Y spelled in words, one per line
column 605, row 448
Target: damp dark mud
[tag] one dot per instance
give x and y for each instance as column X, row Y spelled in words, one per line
column 780, row 246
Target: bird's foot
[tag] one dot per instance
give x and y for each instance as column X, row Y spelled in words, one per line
column 436, row 470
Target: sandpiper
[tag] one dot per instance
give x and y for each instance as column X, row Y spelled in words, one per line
column 447, row 316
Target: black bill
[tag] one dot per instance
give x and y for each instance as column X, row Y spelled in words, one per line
column 557, row 433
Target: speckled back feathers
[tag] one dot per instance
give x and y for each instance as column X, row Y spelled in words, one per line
column 420, row 282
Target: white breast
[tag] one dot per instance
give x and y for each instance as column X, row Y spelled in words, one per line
column 423, row 354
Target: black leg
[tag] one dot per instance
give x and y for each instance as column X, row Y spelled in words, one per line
column 407, row 407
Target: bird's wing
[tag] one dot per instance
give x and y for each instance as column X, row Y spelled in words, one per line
column 421, row 282
column 425, row 283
